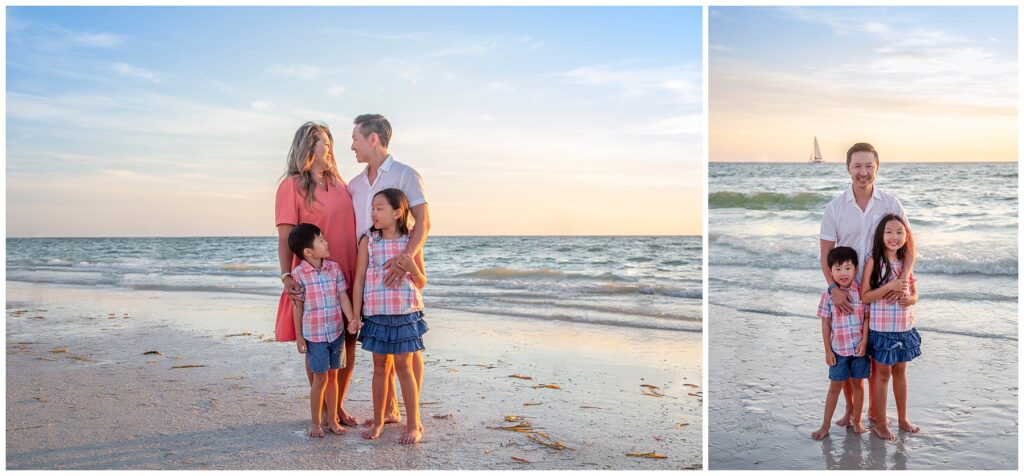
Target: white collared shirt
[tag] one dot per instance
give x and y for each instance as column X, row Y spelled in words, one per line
column 847, row 225
column 391, row 174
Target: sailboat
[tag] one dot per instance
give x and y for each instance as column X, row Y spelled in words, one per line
column 816, row 158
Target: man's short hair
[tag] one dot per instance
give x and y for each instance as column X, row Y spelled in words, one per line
column 375, row 123
column 842, row 254
column 861, row 147
column 302, row 237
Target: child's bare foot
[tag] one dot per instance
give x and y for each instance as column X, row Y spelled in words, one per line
column 845, row 421
column 346, row 419
column 905, row 425
column 883, row 432
column 395, row 417
column 315, row 430
column 858, row 427
column 410, row 437
column 336, row 428
column 820, row 434
column 874, row 421
column 373, row 431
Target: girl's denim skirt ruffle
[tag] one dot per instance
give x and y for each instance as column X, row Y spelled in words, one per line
column 393, row 334
column 893, row 347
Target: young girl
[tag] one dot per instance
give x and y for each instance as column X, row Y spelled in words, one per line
column 892, row 338
column 391, row 319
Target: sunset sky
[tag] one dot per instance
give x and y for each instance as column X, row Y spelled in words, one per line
column 919, row 83
column 176, row 121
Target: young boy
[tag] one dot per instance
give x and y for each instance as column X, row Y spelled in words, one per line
column 319, row 331
column 846, row 339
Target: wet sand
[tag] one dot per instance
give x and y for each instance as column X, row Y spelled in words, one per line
column 81, row 394
column 767, row 386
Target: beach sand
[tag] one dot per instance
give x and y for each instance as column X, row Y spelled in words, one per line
column 767, row 386
column 81, row 394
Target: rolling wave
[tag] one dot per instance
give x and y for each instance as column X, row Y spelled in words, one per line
column 768, row 200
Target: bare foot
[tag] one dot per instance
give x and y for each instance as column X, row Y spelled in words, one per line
column 410, row 437
column 845, row 421
column 373, row 431
column 392, row 418
column 882, row 431
column 820, row 434
column 336, row 428
column 905, row 425
column 346, row 419
column 315, row 430
column 858, row 427
column 873, row 420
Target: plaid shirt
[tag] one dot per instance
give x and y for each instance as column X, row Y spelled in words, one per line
column 890, row 316
column 321, row 310
column 379, row 300
column 846, row 328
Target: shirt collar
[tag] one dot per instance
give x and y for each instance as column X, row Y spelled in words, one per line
column 849, row 197
column 384, row 167
column 305, row 267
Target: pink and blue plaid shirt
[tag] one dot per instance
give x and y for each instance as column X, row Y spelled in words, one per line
column 847, row 329
column 890, row 316
column 321, row 310
column 379, row 300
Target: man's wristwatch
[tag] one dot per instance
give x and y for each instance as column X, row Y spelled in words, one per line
column 285, row 275
column 830, row 286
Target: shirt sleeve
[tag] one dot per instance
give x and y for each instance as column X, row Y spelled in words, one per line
column 828, row 225
column 412, row 185
column 898, row 209
column 342, row 285
column 298, row 277
column 825, row 306
column 286, row 205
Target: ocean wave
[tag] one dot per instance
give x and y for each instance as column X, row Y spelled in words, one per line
column 247, row 267
column 662, row 325
column 539, row 274
column 811, row 316
column 768, row 200
column 610, row 309
column 550, row 289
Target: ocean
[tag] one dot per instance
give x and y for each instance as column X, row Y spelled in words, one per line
column 764, row 221
column 642, row 282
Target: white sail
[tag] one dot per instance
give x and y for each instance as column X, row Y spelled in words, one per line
column 817, row 152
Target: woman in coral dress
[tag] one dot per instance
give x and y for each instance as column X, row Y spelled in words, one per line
column 313, row 191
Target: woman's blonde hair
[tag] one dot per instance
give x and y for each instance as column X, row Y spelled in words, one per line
column 300, row 159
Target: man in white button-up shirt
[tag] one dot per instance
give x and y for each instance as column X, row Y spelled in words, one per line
column 370, row 138
column 850, row 220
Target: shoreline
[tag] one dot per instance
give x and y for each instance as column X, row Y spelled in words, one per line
column 80, row 394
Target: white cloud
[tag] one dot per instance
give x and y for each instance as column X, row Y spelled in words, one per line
column 125, row 69
column 498, row 87
column 337, row 90
column 681, row 83
column 301, row 71
column 101, row 40
column 261, row 105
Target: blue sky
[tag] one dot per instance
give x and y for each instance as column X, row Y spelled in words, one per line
column 920, row 83
column 176, row 121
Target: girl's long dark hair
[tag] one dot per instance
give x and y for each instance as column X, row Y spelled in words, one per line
column 397, row 199
column 878, row 251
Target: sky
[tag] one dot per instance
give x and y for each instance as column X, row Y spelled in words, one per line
column 929, row 84
column 151, row 121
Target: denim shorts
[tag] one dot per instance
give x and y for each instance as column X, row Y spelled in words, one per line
column 326, row 355
column 849, row 366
